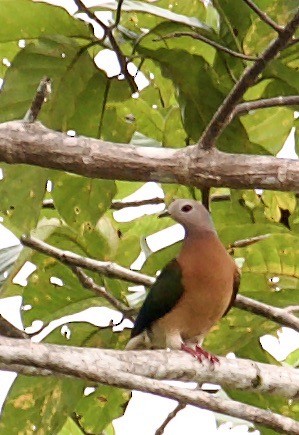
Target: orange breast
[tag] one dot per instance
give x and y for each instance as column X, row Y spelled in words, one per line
column 208, row 274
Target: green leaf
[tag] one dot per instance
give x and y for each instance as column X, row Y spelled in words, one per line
column 275, row 202
column 99, row 109
column 293, row 358
column 70, row 427
column 69, row 68
column 99, row 408
column 21, row 191
column 50, row 300
column 41, row 19
column 39, row 404
column 92, row 198
column 198, row 103
column 138, row 6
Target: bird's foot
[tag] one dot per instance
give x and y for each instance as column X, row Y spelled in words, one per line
column 200, row 354
column 204, row 354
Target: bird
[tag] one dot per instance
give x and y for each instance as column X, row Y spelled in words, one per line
column 192, row 292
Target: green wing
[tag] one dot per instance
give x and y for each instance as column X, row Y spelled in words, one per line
column 236, row 285
column 162, row 297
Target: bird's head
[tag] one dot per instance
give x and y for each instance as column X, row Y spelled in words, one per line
column 191, row 214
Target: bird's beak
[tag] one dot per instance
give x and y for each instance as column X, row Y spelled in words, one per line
column 163, row 213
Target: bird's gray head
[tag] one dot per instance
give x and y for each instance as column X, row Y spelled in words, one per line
column 192, row 215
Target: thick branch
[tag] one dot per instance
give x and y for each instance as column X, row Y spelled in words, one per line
column 223, row 115
column 35, row 144
column 110, row 269
column 133, row 369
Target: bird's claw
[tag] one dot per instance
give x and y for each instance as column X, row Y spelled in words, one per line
column 200, row 354
column 204, row 354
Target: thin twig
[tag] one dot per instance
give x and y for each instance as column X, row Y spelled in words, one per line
column 170, row 417
column 103, row 109
column 278, row 315
column 89, row 284
column 223, row 115
column 209, row 42
column 264, row 103
column 120, row 205
column 118, row 14
column 42, row 93
column 108, row 32
column 247, row 242
column 263, row 16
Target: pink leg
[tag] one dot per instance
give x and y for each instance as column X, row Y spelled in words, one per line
column 200, row 354
column 212, row 358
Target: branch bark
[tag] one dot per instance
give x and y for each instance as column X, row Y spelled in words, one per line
column 35, row 144
column 279, row 315
column 133, row 370
column 243, row 108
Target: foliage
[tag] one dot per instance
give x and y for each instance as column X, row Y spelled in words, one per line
column 185, row 81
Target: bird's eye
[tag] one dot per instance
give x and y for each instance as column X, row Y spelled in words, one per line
column 186, row 208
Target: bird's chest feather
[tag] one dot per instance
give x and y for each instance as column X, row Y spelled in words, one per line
column 207, row 278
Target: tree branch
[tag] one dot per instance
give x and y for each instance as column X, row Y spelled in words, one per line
column 263, row 16
column 7, row 329
column 133, row 370
column 95, row 158
column 283, row 316
column 120, row 205
column 110, row 269
column 180, row 406
column 264, row 103
column 89, row 284
column 223, row 115
column 107, row 268
column 207, row 41
column 42, row 93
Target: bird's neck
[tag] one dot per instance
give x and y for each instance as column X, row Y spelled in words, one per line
column 199, row 232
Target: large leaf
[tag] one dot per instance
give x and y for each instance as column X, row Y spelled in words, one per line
column 49, row 300
column 199, row 96
column 90, row 202
column 98, row 409
column 41, row 19
column 21, row 193
column 39, row 404
column 62, row 60
column 138, row 6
